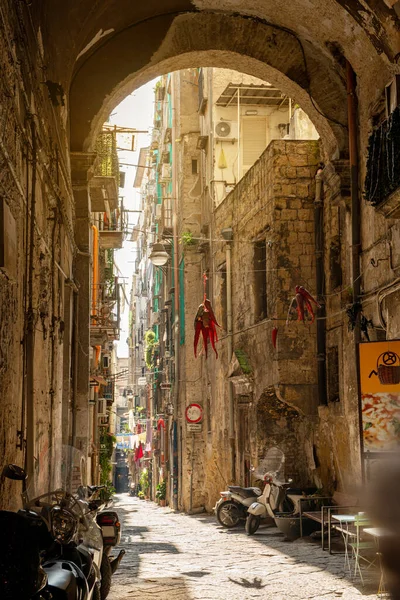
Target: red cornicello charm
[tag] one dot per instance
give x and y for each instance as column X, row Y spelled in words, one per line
column 304, row 300
column 274, row 335
column 206, row 324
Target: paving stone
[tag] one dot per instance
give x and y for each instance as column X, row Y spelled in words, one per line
column 173, row 556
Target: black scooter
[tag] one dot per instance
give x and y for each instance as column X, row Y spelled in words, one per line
column 40, row 558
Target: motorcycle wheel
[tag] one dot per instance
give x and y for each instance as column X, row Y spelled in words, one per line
column 252, row 524
column 96, row 593
column 106, row 573
column 228, row 514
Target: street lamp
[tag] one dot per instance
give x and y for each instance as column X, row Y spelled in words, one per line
column 159, row 256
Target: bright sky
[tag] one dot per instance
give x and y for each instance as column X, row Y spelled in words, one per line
column 136, row 111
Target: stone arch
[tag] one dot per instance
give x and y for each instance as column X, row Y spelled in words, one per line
column 249, row 45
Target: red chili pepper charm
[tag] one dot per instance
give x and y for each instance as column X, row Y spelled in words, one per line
column 274, row 335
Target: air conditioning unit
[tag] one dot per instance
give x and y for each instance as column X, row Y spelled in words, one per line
column 226, row 130
column 166, row 172
column 102, row 407
column 155, row 318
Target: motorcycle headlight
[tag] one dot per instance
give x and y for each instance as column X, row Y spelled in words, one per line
column 63, row 525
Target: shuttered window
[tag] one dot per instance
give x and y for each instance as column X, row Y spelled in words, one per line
column 254, row 140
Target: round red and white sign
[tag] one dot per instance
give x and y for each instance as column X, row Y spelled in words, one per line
column 194, row 413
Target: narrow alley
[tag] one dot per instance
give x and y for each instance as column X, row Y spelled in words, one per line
column 199, row 299
column 172, row 556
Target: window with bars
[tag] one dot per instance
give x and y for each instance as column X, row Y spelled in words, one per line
column 260, row 280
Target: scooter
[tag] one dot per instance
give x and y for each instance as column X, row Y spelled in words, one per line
column 277, row 497
column 232, row 506
column 110, row 527
column 41, row 557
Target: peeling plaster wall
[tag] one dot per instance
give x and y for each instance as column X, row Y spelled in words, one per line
column 24, row 101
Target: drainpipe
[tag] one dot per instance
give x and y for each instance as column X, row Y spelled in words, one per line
column 352, row 115
column 30, row 326
column 174, row 454
column 75, row 367
column 320, row 285
column 227, row 234
column 354, row 176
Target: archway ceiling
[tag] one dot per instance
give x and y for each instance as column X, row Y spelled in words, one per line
column 136, row 37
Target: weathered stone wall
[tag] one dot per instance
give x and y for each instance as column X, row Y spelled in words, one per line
column 274, row 202
column 34, row 189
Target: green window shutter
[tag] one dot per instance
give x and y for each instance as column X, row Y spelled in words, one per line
column 182, row 301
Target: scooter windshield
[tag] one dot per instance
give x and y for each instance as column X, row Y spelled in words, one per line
column 60, row 480
column 59, row 467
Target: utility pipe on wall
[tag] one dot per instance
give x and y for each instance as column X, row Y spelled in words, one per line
column 227, row 235
column 354, row 178
column 30, row 324
column 320, row 285
column 173, row 454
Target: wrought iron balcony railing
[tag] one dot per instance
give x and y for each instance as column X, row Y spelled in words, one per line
column 105, row 311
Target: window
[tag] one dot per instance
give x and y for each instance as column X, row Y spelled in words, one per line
column 195, row 168
column 254, row 138
column 221, row 294
column 333, row 374
column 260, row 281
column 122, row 179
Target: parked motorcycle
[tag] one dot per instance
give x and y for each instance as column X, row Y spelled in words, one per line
column 54, row 545
column 43, row 557
column 110, row 526
column 232, row 506
column 277, row 497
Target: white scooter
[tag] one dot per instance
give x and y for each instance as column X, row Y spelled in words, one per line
column 232, row 506
column 276, row 497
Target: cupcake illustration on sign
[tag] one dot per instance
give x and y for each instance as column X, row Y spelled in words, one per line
column 194, row 413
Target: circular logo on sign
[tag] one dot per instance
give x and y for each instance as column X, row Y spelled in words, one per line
column 194, row 413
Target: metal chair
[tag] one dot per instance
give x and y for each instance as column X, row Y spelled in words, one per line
column 363, row 551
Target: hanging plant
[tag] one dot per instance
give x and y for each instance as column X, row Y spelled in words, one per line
column 187, row 238
column 150, row 346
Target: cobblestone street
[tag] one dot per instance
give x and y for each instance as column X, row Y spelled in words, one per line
column 173, row 556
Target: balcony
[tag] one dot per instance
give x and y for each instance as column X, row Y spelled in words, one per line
column 103, row 193
column 105, row 313
column 111, row 230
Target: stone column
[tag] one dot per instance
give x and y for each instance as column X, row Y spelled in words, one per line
column 80, row 166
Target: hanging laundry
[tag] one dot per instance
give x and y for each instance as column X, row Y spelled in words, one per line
column 222, row 164
column 139, row 453
column 149, row 435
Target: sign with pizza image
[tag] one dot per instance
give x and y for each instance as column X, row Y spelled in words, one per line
column 380, row 395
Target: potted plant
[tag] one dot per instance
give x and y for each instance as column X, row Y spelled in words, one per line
column 144, row 483
column 161, row 492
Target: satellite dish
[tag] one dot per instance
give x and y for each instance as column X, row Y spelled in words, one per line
column 222, row 129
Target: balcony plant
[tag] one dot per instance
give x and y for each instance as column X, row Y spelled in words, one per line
column 187, row 238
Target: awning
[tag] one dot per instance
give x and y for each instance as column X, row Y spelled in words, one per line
column 97, row 380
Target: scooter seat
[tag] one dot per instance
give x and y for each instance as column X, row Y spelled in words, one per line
column 244, row 492
column 301, row 491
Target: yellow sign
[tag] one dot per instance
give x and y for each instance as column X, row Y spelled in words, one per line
column 380, row 395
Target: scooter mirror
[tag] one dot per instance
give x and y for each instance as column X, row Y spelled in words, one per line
column 14, row 472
